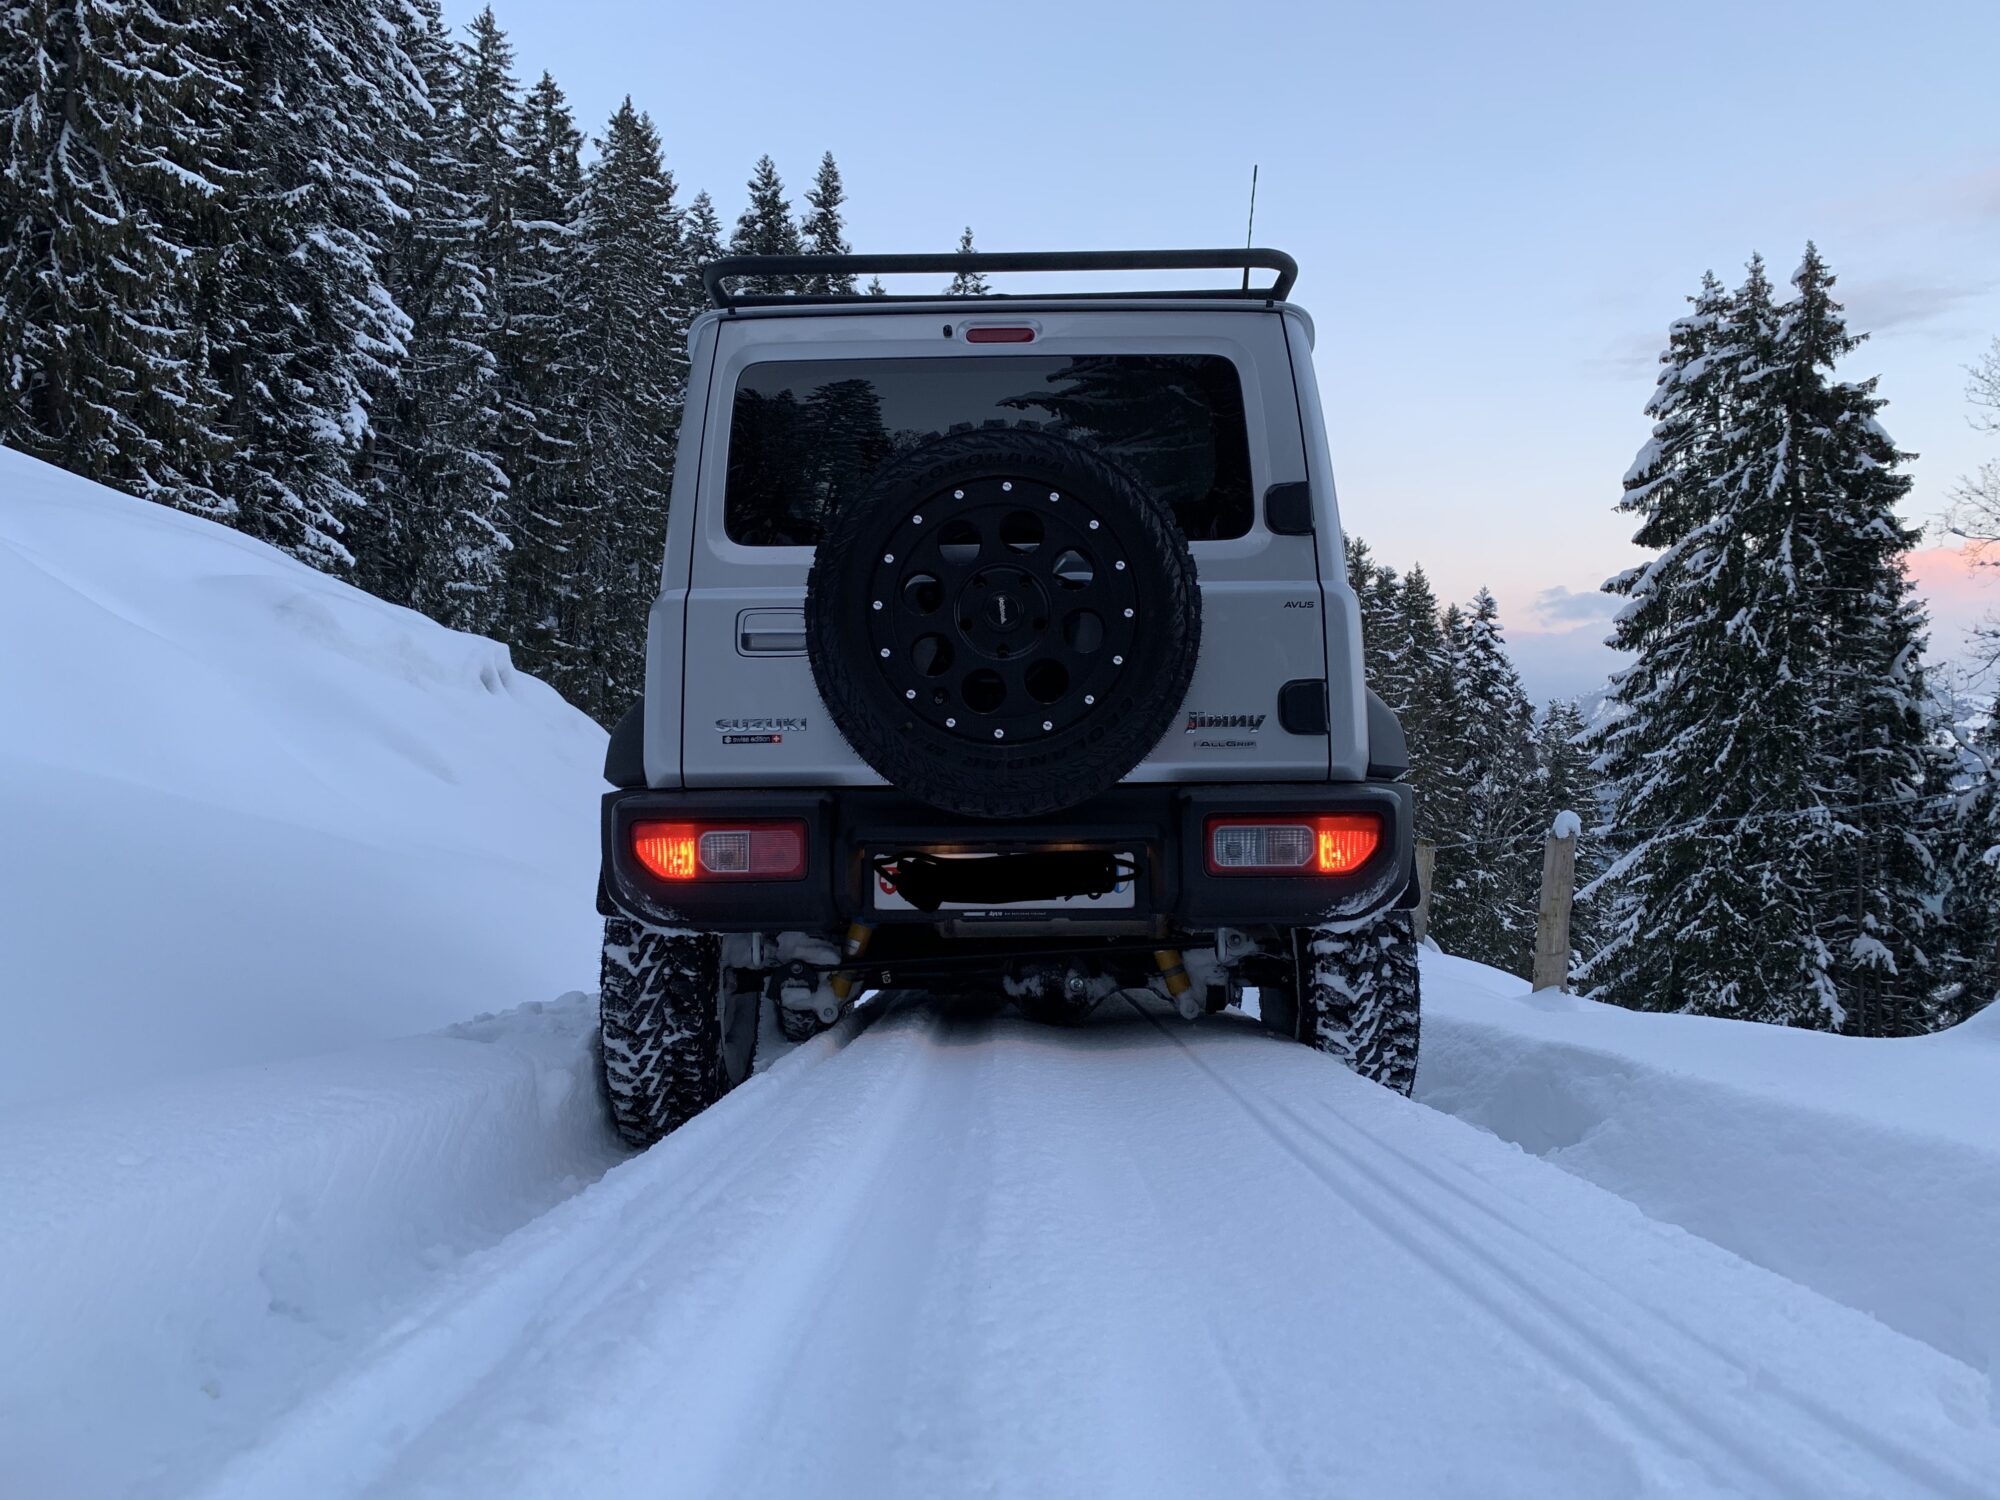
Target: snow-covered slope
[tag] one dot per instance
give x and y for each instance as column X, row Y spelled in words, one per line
column 943, row 1253
column 248, row 811
column 180, row 1260
column 956, row 1254
column 1868, row 1170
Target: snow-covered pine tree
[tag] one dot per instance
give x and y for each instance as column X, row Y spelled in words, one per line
column 1422, row 687
column 300, row 327
column 489, row 111
column 1360, row 562
column 1483, row 903
column 542, row 361
column 701, row 242
column 1385, row 632
column 766, row 227
column 1382, row 613
column 1878, row 763
column 435, row 534
column 110, row 160
column 636, row 363
column 1379, row 625
column 1969, row 882
column 875, row 287
column 823, row 229
column 1714, row 899
column 967, row 283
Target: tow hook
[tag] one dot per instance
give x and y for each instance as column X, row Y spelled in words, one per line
column 1232, row 943
column 800, row 989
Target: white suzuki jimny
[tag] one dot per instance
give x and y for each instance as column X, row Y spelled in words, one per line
column 1003, row 644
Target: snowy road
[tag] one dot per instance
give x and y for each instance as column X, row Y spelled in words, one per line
column 954, row 1254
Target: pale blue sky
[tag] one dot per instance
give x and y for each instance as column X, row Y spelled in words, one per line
column 1497, row 209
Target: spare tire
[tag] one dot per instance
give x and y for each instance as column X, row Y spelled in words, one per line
column 1004, row 623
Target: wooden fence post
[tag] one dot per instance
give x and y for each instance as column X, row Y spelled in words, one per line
column 1420, row 919
column 1558, row 889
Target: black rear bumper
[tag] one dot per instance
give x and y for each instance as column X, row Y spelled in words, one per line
column 1161, row 825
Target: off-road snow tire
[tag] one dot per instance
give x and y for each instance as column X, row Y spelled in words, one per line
column 956, row 771
column 1353, row 991
column 660, row 1022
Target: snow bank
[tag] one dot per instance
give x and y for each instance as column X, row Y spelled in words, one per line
column 251, row 811
column 180, row 1262
column 1867, row 1170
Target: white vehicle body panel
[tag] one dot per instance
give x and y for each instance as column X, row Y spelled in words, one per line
column 730, row 698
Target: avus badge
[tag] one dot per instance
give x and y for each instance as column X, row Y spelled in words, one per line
column 1196, row 722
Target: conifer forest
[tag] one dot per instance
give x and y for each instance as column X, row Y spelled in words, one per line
column 384, row 302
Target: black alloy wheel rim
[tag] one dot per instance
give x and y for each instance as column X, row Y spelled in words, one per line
column 1002, row 610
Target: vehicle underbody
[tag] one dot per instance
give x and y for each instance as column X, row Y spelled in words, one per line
column 883, row 891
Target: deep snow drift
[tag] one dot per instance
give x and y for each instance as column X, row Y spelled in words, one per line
column 250, row 811
column 1868, row 1170
column 180, row 1261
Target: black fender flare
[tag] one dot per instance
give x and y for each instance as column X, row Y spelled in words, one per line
column 625, row 753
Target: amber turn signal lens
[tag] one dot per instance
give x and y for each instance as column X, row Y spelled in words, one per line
column 1344, row 841
column 666, row 849
column 767, row 850
column 1292, row 844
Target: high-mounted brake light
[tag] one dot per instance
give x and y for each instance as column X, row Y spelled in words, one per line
column 721, row 851
column 990, row 333
column 1322, row 844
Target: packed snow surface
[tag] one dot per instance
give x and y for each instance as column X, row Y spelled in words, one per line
column 250, row 811
column 1866, row 1169
column 938, row 1251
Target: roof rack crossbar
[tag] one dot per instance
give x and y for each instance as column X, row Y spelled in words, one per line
column 713, row 275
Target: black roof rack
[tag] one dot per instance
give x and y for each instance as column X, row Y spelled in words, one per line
column 716, row 272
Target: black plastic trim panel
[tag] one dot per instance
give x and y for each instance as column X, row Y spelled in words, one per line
column 1288, row 508
column 1161, row 824
column 625, row 754
column 1388, row 751
column 1302, row 706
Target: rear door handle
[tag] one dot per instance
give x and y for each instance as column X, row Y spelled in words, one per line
column 771, row 632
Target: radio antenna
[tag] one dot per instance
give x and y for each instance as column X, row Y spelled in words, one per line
column 1250, row 229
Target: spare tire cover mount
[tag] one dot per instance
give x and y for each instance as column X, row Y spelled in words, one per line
column 1000, row 612
column 1004, row 624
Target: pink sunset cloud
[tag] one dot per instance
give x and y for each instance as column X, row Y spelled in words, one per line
column 1959, row 591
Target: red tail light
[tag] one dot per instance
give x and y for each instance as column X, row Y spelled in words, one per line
column 986, row 333
column 1292, row 844
column 721, row 850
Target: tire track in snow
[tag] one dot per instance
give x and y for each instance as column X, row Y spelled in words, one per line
column 968, row 1256
column 1604, row 1358
column 1896, row 1459
column 546, row 1283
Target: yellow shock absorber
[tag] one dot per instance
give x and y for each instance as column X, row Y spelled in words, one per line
column 1172, row 970
column 858, row 935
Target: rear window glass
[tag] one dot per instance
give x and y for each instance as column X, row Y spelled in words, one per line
column 808, row 435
